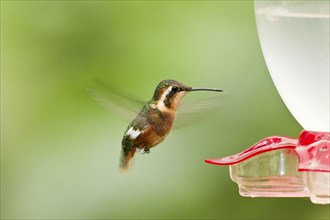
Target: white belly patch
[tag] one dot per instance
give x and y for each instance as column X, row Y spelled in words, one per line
column 132, row 133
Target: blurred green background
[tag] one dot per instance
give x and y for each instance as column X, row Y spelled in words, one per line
column 60, row 149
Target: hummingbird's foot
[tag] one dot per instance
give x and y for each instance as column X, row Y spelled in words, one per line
column 145, row 151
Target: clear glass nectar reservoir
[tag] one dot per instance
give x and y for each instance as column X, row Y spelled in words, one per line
column 294, row 37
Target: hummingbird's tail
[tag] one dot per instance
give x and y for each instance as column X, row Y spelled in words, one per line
column 126, row 159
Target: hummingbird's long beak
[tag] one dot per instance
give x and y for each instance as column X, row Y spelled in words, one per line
column 206, row 89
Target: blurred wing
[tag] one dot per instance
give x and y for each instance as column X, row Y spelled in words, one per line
column 196, row 111
column 117, row 102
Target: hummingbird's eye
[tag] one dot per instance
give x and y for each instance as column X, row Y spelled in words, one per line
column 175, row 89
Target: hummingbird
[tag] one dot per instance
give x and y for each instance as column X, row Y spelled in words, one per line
column 155, row 120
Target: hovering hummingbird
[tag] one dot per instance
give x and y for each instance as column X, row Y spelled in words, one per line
column 155, row 120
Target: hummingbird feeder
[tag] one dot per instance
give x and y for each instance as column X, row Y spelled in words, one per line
column 294, row 37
